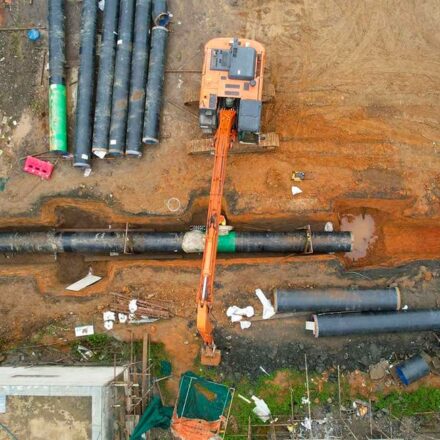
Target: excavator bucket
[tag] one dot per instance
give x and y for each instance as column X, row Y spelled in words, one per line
column 210, row 357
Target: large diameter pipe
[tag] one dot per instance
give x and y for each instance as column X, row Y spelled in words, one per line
column 57, row 80
column 297, row 241
column 139, row 66
column 114, row 241
column 336, row 300
column 412, row 369
column 343, row 324
column 86, row 83
column 155, row 83
column 104, row 85
column 161, row 15
column 121, row 84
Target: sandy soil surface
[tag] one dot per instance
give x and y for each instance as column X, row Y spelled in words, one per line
column 356, row 107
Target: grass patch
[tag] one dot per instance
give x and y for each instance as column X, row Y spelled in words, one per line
column 424, row 399
column 106, row 349
column 280, row 390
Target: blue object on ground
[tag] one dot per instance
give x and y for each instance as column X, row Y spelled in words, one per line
column 33, row 34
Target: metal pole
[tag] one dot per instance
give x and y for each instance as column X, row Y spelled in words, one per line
column 86, row 84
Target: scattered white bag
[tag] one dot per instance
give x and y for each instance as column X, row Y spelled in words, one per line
column 245, row 324
column 261, row 409
column 268, row 310
column 109, row 316
column 132, row 306
column 296, row 190
column 245, row 311
column 236, row 318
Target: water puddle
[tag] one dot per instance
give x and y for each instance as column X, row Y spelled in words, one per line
column 363, row 228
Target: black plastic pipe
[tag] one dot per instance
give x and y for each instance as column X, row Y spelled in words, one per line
column 161, row 15
column 114, row 241
column 343, row 324
column 139, row 66
column 322, row 242
column 336, row 300
column 155, row 83
column 104, row 85
column 86, row 83
column 121, row 84
column 57, row 80
column 412, row 369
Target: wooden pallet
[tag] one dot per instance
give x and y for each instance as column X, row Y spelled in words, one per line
column 268, row 142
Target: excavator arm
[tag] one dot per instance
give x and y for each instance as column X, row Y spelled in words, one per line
column 222, row 143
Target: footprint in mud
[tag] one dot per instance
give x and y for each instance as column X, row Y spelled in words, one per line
column 363, row 228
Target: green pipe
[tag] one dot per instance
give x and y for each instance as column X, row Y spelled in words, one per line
column 58, row 118
column 227, row 243
column 57, row 80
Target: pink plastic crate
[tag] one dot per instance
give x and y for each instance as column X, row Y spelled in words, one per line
column 40, row 168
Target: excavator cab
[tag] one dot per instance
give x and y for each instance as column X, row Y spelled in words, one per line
column 232, row 77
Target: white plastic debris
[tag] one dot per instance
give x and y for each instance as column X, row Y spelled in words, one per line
column 236, row 318
column 328, row 227
column 87, row 281
column 245, row 324
column 307, row 423
column 296, row 190
column 264, row 371
column 261, row 409
column 244, row 398
column 132, row 306
column 122, row 317
column 109, row 316
column 100, row 154
column 245, row 311
column 405, row 307
column 87, row 171
column 101, row 5
column 84, row 330
column 304, row 401
column 108, row 325
column 268, row 310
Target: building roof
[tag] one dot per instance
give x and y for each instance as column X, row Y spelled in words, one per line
column 57, row 376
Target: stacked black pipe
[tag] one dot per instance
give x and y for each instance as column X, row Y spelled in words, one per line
column 84, row 107
column 120, row 118
column 139, row 66
column 104, row 86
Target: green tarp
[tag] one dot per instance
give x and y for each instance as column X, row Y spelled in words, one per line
column 155, row 416
column 201, row 399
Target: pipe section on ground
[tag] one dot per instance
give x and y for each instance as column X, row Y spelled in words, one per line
column 133, row 242
column 139, row 66
column 105, row 79
column 343, row 324
column 161, row 15
column 412, row 369
column 121, row 84
column 336, row 300
column 86, row 83
column 57, row 80
column 155, row 83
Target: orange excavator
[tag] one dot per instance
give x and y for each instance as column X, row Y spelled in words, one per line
column 230, row 106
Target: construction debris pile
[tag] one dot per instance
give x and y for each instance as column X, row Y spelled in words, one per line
column 127, row 310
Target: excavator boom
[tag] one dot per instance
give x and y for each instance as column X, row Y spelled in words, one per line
column 222, row 143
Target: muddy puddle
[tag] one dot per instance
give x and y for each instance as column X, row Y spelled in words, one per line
column 364, row 232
